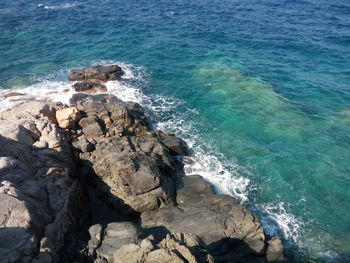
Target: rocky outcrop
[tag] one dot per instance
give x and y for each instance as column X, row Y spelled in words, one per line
column 40, row 201
column 131, row 164
column 103, row 73
column 94, row 182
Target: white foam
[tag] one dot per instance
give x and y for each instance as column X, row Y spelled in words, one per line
column 57, row 7
column 45, row 89
column 278, row 221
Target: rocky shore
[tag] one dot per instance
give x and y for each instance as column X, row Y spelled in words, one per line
column 93, row 182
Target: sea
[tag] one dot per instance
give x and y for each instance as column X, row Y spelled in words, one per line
column 259, row 89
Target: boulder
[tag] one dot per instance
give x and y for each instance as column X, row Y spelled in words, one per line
column 103, row 73
column 230, row 232
column 67, row 117
column 90, row 86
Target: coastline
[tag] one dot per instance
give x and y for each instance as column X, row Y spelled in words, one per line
column 101, row 126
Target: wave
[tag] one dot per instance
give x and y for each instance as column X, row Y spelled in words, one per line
column 57, row 7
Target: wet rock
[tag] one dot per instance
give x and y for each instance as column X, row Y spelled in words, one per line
column 103, row 73
column 67, row 117
column 90, row 86
column 193, row 187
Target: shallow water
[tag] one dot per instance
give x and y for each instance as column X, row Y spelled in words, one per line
column 259, row 89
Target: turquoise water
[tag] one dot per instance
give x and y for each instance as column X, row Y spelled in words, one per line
column 259, row 89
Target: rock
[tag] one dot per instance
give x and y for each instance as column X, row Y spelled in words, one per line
column 193, row 187
column 173, row 248
column 103, row 73
column 13, row 94
column 175, row 145
column 229, row 230
column 90, row 86
column 67, row 117
column 126, row 242
column 274, row 251
column 115, row 236
column 40, row 202
column 83, row 145
column 130, row 165
column 91, row 127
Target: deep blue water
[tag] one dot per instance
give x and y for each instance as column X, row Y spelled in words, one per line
column 259, row 89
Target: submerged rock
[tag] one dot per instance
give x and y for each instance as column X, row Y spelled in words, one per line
column 103, row 73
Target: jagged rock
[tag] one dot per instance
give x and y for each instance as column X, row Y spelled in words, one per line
column 90, row 86
column 176, row 145
column 131, row 161
column 103, row 73
column 39, row 201
column 230, row 231
column 67, row 117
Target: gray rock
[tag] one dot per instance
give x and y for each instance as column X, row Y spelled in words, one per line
column 39, row 201
column 91, row 127
column 229, row 230
column 113, row 237
column 103, row 73
column 193, row 187
column 131, row 167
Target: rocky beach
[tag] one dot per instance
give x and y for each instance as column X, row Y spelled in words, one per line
column 93, row 181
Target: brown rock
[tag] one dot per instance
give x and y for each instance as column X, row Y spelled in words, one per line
column 67, row 117
column 274, row 251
